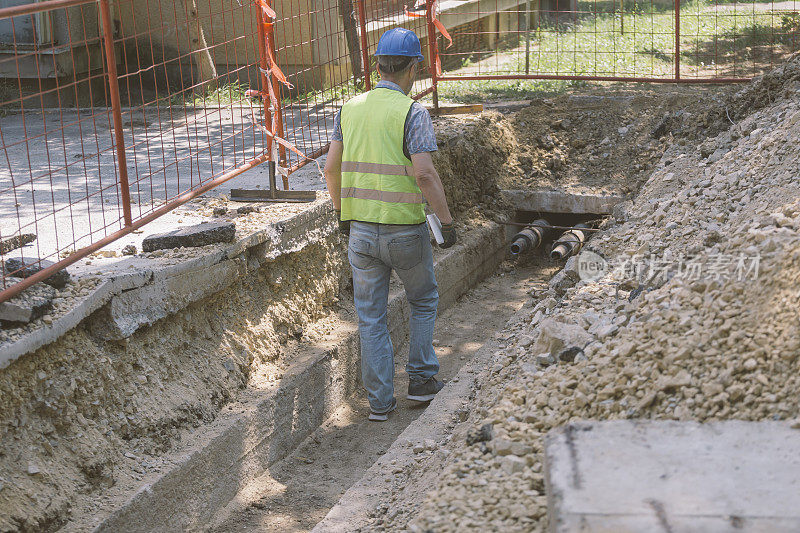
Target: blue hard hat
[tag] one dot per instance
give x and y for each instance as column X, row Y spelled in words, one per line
column 399, row 42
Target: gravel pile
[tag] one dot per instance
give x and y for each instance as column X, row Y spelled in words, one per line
column 696, row 318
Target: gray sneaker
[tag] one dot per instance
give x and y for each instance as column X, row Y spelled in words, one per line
column 382, row 417
column 424, row 391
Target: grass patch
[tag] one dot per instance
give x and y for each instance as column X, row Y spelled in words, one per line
column 214, row 96
column 723, row 40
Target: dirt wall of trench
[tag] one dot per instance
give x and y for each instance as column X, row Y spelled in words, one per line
column 76, row 413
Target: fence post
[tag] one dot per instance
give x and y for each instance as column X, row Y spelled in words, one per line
column 113, row 89
column 362, row 22
column 677, row 40
column 274, row 87
column 433, row 52
column 264, row 68
column 528, row 37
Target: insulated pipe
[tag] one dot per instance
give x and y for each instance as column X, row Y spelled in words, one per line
column 569, row 243
column 530, row 238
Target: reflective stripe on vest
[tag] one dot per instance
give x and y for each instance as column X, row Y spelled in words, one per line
column 383, row 196
column 378, row 183
column 376, row 168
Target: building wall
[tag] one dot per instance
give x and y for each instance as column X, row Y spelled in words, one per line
column 230, row 32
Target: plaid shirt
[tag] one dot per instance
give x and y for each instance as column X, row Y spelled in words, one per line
column 419, row 134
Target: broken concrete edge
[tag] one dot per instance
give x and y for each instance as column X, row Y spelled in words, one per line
column 670, row 475
column 555, row 201
column 191, row 236
column 240, row 445
column 278, row 238
column 435, row 423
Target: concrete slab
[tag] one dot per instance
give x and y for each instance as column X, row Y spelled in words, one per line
column 643, row 476
column 29, row 305
column 26, row 267
column 193, row 236
column 556, row 201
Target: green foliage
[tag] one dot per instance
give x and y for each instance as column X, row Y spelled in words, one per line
column 638, row 41
column 790, row 23
column 214, row 96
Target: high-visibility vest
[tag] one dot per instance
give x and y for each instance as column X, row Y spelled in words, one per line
column 378, row 183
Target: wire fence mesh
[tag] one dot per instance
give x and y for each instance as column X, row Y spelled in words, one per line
column 114, row 112
column 650, row 40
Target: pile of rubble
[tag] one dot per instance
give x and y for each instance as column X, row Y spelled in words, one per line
column 693, row 316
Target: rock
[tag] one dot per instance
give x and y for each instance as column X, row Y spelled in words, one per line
column 750, row 364
column 245, row 209
column 569, row 354
column 525, row 340
column 229, row 365
column 545, row 359
column 718, row 154
column 621, row 212
column 681, row 379
column 430, row 444
column 193, row 236
column 520, row 449
column 563, row 281
column 219, row 211
column 17, row 241
column 555, row 337
column 603, row 327
column 502, row 447
column 19, row 268
column 418, row 448
column 647, row 400
column 33, row 469
column 484, row 434
column 512, row 464
column 588, row 318
column 33, row 303
column 129, row 250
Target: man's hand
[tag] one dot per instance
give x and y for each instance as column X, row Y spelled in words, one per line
column 344, row 227
column 449, row 234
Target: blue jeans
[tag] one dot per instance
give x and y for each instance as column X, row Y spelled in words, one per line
column 374, row 250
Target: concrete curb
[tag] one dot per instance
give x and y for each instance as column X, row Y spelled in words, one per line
column 436, row 423
column 556, row 201
column 240, row 445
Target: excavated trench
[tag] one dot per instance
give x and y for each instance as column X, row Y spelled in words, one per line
column 240, row 409
column 296, row 493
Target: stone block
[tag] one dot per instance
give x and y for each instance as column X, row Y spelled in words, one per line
column 30, row 305
column 190, row 237
column 26, row 268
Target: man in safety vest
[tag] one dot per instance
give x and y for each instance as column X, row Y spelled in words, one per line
column 379, row 173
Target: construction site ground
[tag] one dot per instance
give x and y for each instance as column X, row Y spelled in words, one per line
column 298, row 492
column 709, row 172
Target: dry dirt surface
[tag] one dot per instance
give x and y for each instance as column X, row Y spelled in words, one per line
column 605, row 138
column 704, row 328
column 296, row 493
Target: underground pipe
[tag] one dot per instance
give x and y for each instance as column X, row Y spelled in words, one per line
column 529, row 238
column 569, row 243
